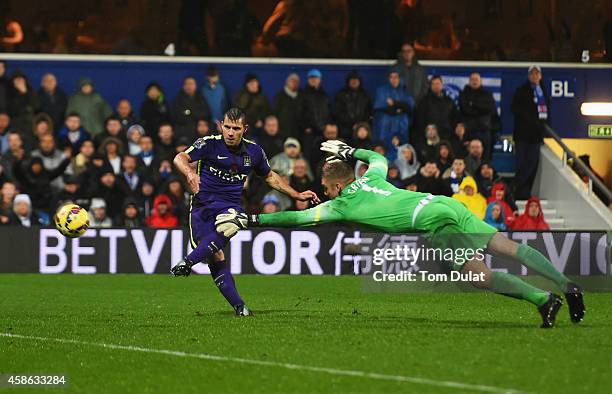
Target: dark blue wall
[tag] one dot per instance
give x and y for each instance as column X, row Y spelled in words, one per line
column 117, row 79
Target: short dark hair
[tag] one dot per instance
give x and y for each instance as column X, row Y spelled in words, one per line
column 112, row 117
column 437, row 76
column 339, row 171
column 71, row 114
column 236, row 114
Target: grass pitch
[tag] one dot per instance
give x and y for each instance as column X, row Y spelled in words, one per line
column 310, row 334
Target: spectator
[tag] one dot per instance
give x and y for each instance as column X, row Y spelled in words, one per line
column 23, row 214
column 284, row 162
column 445, row 156
column 315, row 104
column 459, row 142
column 287, row 106
column 456, row 174
column 436, row 108
column 495, row 216
column 270, row 204
column 98, row 217
column 392, row 109
column 125, row 114
column 110, row 191
column 252, row 101
column 475, row 156
column 147, row 155
column 35, row 180
column 164, row 172
column 428, row 180
column 8, row 191
column 271, row 142
column 188, row 106
column 129, row 176
column 134, row 134
column 486, row 177
column 162, row 216
column 352, row 105
column 478, row 112
column 53, row 100
column 71, row 192
column 146, row 197
column 316, row 156
column 5, row 122
column 112, row 128
column 42, row 125
column 90, row 106
column 215, row 93
column 362, row 136
column 165, row 148
column 180, row 202
column 130, row 217
column 72, row 134
column 81, row 163
column 532, row 218
column 15, row 153
column 429, row 148
column 531, row 109
column 22, row 104
column 51, row 158
column 469, row 196
column 13, row 35
column 299, row 179
column 407, row 161
column 413, row 75
column 393, row 176
column 112, row 150
column 500, row 194
column 4, row 86
column 202, row 129
column 154, row 109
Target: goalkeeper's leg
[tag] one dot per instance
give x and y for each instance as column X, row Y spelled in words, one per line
column 536, row 261
column 512, row 286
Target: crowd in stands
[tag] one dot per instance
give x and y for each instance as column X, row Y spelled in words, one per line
column 117, row 160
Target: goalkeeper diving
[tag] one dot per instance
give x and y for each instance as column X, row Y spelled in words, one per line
column 372, row 202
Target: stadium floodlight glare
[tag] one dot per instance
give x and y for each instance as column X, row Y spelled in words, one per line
column 596, row 109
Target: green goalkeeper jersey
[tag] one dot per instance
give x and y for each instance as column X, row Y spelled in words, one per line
column 369, row 201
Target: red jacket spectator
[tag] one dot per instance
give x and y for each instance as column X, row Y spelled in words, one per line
column 532, row 218
column 499, row 194
column 162, row 216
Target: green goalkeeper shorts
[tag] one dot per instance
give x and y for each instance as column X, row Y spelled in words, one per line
column 447, row 223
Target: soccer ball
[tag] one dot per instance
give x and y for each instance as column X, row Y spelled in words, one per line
column 71, row 220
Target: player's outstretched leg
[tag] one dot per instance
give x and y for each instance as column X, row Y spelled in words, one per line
column 536, row 261
column 548, row 304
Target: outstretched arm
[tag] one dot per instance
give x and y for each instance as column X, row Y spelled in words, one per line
column 377, row 164
column 277, row 182
column 323, row 213
column 229, row 223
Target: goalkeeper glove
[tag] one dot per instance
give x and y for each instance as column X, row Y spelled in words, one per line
column 229, row 223
column 339, row 149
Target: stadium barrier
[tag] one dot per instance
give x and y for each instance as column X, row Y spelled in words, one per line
column 318, row 251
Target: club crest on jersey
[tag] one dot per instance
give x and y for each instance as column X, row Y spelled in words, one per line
column 247, row 160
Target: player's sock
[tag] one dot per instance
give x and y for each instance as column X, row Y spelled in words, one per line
column 513, row 286
column 536, row 261
column 224, row 280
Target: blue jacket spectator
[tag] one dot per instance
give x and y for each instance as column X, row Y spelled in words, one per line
column 392, row 112
column 215, row 94
column 495, row 216
column 72, row 134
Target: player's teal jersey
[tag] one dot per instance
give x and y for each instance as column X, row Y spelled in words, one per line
column 369, row 201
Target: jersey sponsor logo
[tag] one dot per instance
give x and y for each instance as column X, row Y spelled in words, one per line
column 361, row 184
column 200, row 142
column 247, row 161
column 226, row 176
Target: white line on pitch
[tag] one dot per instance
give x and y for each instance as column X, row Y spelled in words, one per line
column 331, row 371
